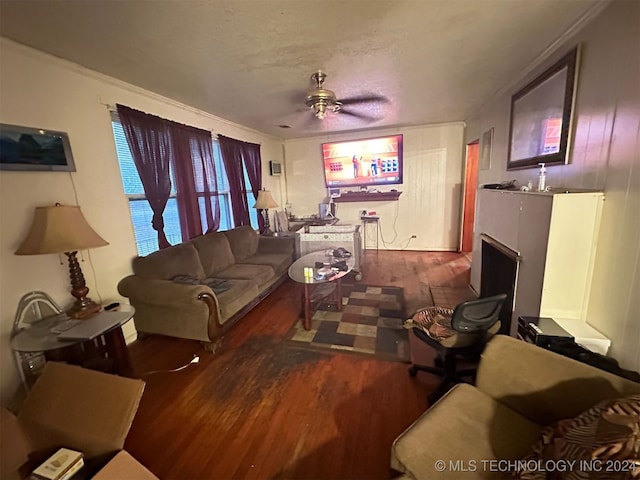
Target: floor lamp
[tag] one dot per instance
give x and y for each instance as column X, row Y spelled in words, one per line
column 264, row 202
column 63, row 229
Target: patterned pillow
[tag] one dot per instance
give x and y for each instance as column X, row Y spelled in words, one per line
column 435, row 321
column 601, row 443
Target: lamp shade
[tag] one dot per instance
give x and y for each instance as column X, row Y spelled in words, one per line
column 265, row 200
column 59, row 229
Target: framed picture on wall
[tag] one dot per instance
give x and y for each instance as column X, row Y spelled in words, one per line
column 486, row 143
column 26, row 148
column 275, row 168
column 542, row 114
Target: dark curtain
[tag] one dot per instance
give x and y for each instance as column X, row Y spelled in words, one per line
column 232, row 151
column 206, row 178
column 186, row 196
column 195, row 176
column 253, row 162
column 150, row 144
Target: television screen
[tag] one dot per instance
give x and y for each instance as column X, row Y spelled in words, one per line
column 368, row 162
column 25, row 148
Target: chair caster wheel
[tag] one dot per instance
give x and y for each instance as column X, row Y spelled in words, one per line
column 413, row 371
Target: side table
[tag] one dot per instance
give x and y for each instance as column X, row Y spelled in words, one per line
column 366, row 220
column 104, row 350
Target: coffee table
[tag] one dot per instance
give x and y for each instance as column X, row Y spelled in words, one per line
column 315, row 288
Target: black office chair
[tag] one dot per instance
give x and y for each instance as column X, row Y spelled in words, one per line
column 459, row 333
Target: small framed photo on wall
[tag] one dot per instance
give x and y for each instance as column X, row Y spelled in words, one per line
column 275, row 168
column 486, row 143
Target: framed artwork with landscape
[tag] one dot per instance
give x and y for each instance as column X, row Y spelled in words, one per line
column 541, row 116
column 35, row 149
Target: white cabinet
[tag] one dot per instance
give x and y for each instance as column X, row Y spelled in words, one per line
column 331, row 237
column 555, row 236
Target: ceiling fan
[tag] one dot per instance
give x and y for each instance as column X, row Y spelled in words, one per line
column 323, row 100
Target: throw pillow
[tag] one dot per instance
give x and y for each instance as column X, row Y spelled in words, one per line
column 601, row 443
column 435, row 321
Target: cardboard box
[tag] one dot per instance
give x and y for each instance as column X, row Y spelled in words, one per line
column 75, row 408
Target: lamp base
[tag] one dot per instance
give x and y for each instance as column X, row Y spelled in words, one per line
column 266, row 231
column 83, row 308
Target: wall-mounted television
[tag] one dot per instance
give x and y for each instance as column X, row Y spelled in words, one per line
column 363, row 163
column 25, row 148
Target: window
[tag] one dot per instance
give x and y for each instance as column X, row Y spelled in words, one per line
column 141, row 213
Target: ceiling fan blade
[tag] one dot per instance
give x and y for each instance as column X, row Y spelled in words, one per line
column 362, row 116
column 364, row 99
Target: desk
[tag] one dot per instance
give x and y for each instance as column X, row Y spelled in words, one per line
column 107, row 351
column 315, row 290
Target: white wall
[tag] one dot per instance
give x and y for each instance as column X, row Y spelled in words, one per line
column 41, row 91
column 429, row 206
column 605, row 156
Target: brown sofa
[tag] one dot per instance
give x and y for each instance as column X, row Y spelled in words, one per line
column 520, row 388
column 199, row 288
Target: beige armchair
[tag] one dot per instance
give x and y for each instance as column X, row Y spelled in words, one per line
column 520, row 389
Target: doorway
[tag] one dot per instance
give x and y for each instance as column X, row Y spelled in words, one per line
column 469, row 197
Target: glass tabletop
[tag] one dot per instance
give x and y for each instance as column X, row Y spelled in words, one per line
column 320, row 267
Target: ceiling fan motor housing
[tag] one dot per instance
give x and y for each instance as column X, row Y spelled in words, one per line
column 323, row 100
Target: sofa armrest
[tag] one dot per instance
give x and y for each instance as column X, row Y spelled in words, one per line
column 165, row 302
column 542, row 385
column 276, row 245
column 160, row 292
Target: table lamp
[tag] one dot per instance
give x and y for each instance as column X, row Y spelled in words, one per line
column 63, row 229
column 264, row 202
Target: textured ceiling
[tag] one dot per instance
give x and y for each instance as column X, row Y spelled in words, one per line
column 249, row 61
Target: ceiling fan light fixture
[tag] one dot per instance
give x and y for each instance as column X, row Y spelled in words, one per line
column 321, row 107
column 321, row 99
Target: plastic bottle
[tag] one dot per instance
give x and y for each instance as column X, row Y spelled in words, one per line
column 541, row 178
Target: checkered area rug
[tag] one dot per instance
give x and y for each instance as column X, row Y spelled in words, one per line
column 370, row 323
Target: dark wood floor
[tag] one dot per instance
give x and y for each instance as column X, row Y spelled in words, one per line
column 261, row 409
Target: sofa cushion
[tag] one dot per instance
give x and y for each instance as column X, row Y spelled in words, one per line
column 239, row 294
column 278, row 261
column 215, row 284
column 259, row 274
column 214, row 251
column 165, row 264
column 600, row 443
column 463, row 428
column 243, row 241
